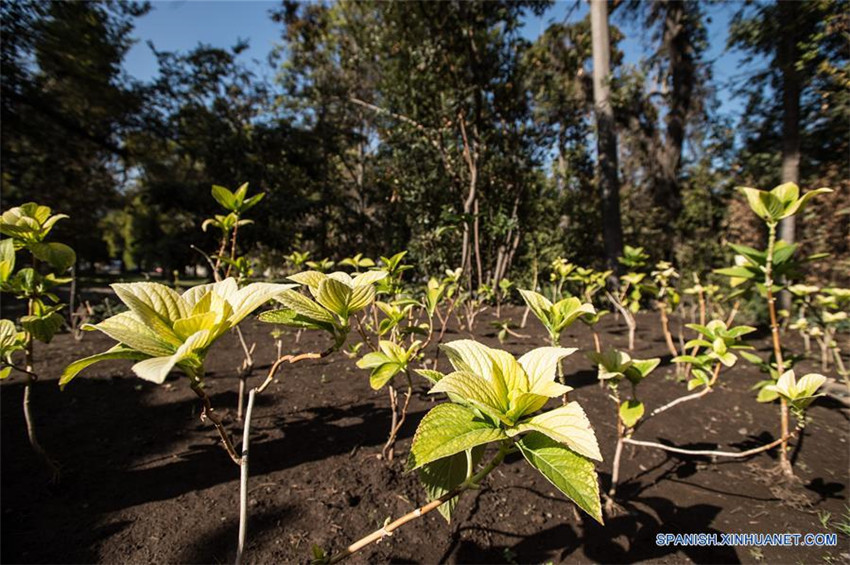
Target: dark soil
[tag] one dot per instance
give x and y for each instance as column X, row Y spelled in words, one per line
column 145, row 481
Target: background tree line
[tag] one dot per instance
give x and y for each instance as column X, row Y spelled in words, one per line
column 432, row 127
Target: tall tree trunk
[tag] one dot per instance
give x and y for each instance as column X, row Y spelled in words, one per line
column 791, row 86
column 606, row 136
column 676, row 37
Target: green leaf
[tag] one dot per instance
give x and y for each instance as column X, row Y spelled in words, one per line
column 129, row 330
column 368, row 278
column 224, row 197
column 250, row 297
column 44, row 327
column 539, row 304
column 311, row 279
column 431, row 375
column 631, row 411
column 541, row 365
column 473, row 388
column 156, row 305
column 287, row 317
column 767, row 395
column 334, row 296
column 117, row 352
column 381, row 375
column 372, row 360
column 441, row 476
column 798, row 205
column 57, row 255
column 567, row 424
column 754, row 199
column 446, row 430
column 572, row 474
column 7, row 259
column 787, row 193
column 469, row 356
column 185, row 327
column 304, row 306
column 645, row 366
column 251, row 202
column 361, row 297
column 156, row 369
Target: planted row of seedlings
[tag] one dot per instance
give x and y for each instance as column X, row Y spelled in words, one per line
column 492, row 398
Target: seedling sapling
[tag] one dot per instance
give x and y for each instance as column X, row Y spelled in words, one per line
column 614, row 368
column 782, row 202
column 236, row 205
column 27, row 228
column 493, row 400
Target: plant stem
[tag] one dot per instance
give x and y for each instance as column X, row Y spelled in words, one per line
column 209, row 413
column 688, row 397
column 733, row 312
column 711, row 452
column 28, row 418
column 245, row 371
column 243, row 478
column 615, row 468
column 665, row 327
column 232, row 248
column 387, row 530
column 292, row 359
column 784, row 463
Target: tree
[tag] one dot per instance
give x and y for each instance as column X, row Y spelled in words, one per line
column 65, row 105
column 795, row 123
column 609, row 183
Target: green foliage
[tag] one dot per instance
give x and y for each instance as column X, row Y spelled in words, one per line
column 335, row 298
column 27, row 227
column 494, row 397
column 633, row 257
column 748, row 272
column 558, row 316
column 235, row 202
column 389, row 361
column 717, row 345
column 613, row 367
column 781, row 202
column 166, row 329
column 11, row 341
column 799, row 393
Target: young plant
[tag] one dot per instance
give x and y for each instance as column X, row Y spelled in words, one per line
column 719, row 344
column 798, row 394
column 336, row 297
column 561, row 270
column 558, row 316
column 358, row 262
column 322, row 265
column 389, row 361
column 772, row 207
column 494, row 399
column 506, row 328
column 667, row 299
column 164, row 330
column 394, row 268
column 27, row 228
column 503, row 291
column 236, row 205
column 632, row 289
column 590, row 283
column 615, row 367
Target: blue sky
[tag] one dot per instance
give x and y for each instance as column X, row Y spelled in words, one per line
column 181, row 25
